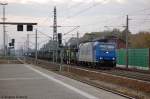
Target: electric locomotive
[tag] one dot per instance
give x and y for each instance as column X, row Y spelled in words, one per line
column 97, row 53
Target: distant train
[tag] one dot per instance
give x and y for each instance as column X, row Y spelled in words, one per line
column 93, row 54
column 97, row 54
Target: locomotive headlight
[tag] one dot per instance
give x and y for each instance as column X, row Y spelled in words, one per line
column 101, row 58
column 113, row 58
column 107, row 52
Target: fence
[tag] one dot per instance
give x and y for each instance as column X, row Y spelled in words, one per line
column 137, row 58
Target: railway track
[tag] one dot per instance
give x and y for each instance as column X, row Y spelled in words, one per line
column 129, row 74
column 123, row 73
column 118, row 72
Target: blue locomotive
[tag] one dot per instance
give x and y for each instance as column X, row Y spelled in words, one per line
column 97, row 53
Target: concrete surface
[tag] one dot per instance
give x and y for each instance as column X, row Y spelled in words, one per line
column 21, row 81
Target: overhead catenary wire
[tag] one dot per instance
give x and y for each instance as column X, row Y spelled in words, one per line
column 44, row 34
column 72, row 7
column 71, row 30
column 131, row 13
column 82, row 11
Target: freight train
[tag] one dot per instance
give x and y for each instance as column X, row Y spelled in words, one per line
column 94, row 54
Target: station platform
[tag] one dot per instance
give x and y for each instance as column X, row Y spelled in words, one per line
column 22, row 81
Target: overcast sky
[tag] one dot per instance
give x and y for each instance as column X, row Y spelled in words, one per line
column 90, row 15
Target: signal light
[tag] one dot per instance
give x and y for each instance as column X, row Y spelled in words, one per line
column 10, row 44
column 13, row 40
column 59, row 39
column 29, row 28
column 19, row 27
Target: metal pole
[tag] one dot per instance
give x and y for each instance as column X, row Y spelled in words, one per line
column 24, row 57
column 77, row 40
column 69, row 58
column 56, row 51
column 61, row 55
column 77, row 47
column 4, row 27
column 53, row 55
column 28, row 45
column 69, row 54
column 36, row 46
column 149, row 58
column 127, row 30
column 55, row 33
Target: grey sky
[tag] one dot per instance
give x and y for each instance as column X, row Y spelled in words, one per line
column 91, row 15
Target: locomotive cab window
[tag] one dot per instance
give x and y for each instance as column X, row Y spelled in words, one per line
column 107, row 47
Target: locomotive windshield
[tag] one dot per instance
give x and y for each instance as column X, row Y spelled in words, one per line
column 107, row 47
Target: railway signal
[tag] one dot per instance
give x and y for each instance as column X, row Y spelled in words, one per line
column 13, row 42
column 59, row 39
column 10, row 44
column 29, row 27
column 19, row 27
